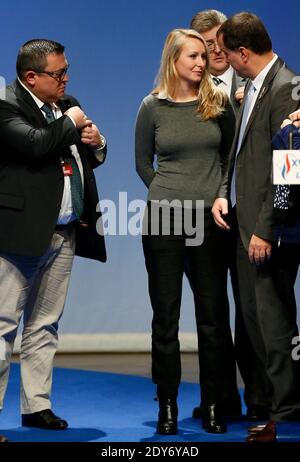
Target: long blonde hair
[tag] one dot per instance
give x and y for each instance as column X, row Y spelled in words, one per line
column 212, row 99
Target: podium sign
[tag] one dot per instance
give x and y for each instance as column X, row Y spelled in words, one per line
column 286, row 166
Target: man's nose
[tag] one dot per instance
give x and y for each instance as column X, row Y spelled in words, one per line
column 217, row 47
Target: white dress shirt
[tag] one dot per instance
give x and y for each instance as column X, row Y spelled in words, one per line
column 226, row 80
column 259, row 80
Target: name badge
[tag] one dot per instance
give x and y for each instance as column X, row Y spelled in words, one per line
column 67, row 168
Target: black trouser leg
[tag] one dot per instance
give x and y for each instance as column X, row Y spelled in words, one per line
column 164, row 256
column 250, row 366
column 208, row 274
column 277, row 311
column 259, row 388
column 230, row 395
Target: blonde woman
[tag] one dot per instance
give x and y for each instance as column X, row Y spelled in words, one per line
column 186, row 124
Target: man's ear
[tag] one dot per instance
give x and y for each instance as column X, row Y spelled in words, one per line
column 29, row 77
column 244, row 54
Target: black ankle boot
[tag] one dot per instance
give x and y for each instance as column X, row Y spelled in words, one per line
column 213, row 420
column 167, row 416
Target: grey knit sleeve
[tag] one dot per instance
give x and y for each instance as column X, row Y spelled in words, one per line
column 145, row 142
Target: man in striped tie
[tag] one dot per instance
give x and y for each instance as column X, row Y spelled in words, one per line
column 207, row 23
column 46, row 141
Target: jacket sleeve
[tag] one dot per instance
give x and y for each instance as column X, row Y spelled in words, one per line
column 228, row 130
column 145, row 144
column 31, row 143
column 96, row 156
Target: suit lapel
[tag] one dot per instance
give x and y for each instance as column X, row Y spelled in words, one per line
column 27, row 103
column 233, row 86
column 24, row 99
column 237, row 82
column 267, row 83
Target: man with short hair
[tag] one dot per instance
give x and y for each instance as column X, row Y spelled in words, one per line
column 207, row 23
column 266, row 271
column 48, row 212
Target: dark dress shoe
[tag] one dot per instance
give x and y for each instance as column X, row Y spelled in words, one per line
column 213, row 420
column 266, row 435
column 44, row 419
column 197, row 412
column 257, row 412
column 231, row 409
column 3, row 439
column 167, row 417
column 256, row 428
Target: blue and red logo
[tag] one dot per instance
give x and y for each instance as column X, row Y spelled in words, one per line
column 286, row 167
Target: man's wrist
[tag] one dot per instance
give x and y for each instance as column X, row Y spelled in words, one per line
column 102, row 144
column 71, row 119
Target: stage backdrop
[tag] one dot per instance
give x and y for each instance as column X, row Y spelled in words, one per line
column 114, row 49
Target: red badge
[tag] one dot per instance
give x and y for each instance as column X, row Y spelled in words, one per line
column 67, row 168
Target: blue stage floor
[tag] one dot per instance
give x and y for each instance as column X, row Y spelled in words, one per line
column 105, row 407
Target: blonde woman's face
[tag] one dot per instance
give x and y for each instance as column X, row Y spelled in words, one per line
column 192, row 61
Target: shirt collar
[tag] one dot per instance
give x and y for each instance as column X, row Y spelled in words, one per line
column 226, row 77
column 259, row 79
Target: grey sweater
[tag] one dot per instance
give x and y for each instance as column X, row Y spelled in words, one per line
column 191, row 154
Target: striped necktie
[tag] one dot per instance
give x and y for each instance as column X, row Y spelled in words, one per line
column 217, row 80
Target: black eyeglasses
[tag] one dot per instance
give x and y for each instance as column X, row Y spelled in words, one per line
column 212, row 45
column 57, row 75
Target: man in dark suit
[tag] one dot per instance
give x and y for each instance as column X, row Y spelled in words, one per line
column 207, row 23
column 48, row 212
column 266, row 272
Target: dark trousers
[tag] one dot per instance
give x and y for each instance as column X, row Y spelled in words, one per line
column 252, row 370
column 241, row 351
column 230, row 394
column 165, row 261
column 269, row 311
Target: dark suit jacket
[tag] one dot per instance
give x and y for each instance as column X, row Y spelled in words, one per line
column 31, row 178
column 254, row 190
column 237, row 82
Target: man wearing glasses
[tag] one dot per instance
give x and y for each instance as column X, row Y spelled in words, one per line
column 48, row 213
column 207, row 23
